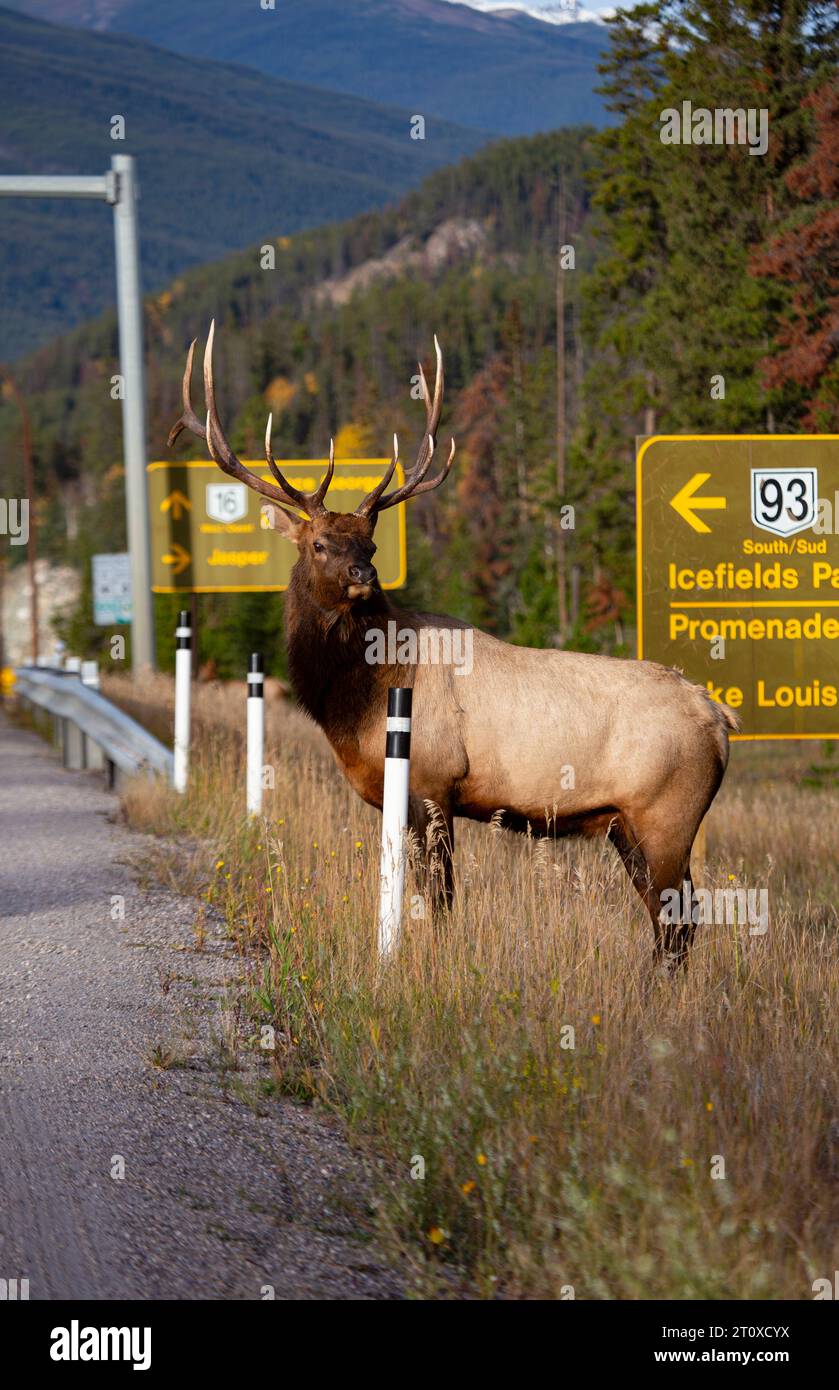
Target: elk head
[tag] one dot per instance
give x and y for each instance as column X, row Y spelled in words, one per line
column 336, row 549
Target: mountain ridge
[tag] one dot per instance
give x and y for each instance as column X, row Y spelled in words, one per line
column 213, row 174
column 503, row 71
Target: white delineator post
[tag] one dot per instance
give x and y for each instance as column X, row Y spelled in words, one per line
column 256, row 733
column 183, row 694
column 90, row 674
column 394, row 817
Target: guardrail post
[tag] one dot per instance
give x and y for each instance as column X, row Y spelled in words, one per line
column 183, row 694
column 256, row 734
column 94, row 758
column 73, row 743
column 93, row 755
column 394, row 817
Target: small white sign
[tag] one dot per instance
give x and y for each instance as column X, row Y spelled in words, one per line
column 227, row 501
column 111, row 590
column 784, row 500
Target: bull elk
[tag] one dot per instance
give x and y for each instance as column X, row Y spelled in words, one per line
column 647, row 748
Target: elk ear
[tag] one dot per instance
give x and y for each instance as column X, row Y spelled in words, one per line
column 278, row 519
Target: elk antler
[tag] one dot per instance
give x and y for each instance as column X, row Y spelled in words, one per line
column 221, row 453
column 311, row 502
column 377, row 500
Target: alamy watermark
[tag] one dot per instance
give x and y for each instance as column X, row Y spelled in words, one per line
column 722, row 126
column 79, row 1342
column 426, row 646
column 14, row 519
column 716, row 907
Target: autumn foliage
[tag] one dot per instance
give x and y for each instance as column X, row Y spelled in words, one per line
column 805, row 256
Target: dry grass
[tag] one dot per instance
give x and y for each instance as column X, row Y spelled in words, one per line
column 546, row 1165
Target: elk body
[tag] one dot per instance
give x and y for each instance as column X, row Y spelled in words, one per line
column 560, row 742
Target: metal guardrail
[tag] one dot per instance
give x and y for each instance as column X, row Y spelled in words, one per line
column 92, row 732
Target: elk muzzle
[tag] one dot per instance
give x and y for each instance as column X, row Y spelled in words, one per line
column 362, row 577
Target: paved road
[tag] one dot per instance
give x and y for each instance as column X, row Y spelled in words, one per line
column 219, row 1198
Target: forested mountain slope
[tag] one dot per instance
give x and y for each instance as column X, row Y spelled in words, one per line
column 224, row 155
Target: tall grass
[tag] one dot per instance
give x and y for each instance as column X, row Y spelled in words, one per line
column 548, row 1117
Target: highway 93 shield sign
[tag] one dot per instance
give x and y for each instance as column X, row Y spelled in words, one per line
column 784, row 500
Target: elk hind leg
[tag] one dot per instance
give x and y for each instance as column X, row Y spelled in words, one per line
column 659, row 868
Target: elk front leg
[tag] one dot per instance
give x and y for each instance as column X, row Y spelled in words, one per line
column 433, row 827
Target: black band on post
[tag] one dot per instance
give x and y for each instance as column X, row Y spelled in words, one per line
column 183, row 635
column 399, row 702
column 398, row 744
column 256, row 680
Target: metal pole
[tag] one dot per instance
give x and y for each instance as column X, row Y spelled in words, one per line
column 256, row 734
column 183, row 695
column 394, row 817
column 561, row 424
column 119, row 188
column 32, row 543
column 29, row 493
column 99, row 187
column 130, row 312
column 2, row 627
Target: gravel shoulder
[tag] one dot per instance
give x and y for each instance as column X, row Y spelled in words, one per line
column 112, row 1058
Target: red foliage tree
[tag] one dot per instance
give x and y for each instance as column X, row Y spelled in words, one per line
column 806, row 256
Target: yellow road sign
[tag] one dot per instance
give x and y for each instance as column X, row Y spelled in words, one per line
column 744, row 598
column 207, row 536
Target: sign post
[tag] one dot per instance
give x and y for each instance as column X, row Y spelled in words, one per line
column 738, row 573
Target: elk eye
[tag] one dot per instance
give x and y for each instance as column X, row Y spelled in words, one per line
column 318, row 548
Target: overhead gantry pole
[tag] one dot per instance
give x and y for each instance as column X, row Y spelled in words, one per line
column 118, row 187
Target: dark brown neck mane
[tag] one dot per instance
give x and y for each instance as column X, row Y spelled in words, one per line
column 326, row 655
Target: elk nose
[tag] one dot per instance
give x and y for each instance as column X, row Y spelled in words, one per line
column 362, row 574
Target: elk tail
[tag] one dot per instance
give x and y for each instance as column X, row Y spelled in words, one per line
column 729, row 718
